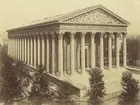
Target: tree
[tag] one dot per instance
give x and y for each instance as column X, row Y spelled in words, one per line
column 130, row 89
column 97, row 89
column 40, row 89
column 133, row 45
column 11, row 89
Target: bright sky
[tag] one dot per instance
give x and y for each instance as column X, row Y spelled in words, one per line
column 14, row 13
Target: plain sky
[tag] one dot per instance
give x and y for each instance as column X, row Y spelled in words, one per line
column 14, row 13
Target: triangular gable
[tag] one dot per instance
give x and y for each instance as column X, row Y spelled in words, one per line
column 94, row 15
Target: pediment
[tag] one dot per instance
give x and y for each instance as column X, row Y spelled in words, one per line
column 96, row 16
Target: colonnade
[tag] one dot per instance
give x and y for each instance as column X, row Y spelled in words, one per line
column 40, row 49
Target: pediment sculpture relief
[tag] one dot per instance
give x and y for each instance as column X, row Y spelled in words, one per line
column 97, row 16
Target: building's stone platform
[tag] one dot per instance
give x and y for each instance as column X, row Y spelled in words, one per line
column 80, row 82
column 112, row 80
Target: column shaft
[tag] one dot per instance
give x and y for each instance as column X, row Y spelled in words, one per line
column 35, row 50
column 31, row 40
column 17, row 47
column 20, row 48
column 83, row 52
column 25, row 47
column 109, row 50
column 64, row 55
column 101, row 52
column 60, row 54
column 78, row 57
column 124, row 50
column 117, row 51
column 27, row 50
column 28, row 41
column 47, row 52
column 53, row 54
column 43, row 50
column 38, row 44
column 13, row 47
column 92, row 50
column 10, row 47
column 72, row 52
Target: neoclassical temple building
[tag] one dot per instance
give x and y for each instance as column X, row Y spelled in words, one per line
column 72, row 43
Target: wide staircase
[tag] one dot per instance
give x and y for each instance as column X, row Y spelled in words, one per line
column 112, row 79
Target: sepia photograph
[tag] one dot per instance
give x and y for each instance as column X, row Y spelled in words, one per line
column 69, row 52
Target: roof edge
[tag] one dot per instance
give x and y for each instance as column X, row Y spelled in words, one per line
column 32, row 26
column 90, row 9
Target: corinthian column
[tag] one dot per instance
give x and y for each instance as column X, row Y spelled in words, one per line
column 124, row 50
column 83, row 52
column 117, row 50
column 21, row 48
column 28, row 41
column 25, row 47
column 101, row 52
column 92, row 50
column 12, row 47
column 72, row 52
column 43, row 50
column 53, row 53
column 8, row 46
column 31, row 40
column 60, row 54
column 109, row 50
column 35, row 50
column 15, row 48
column 38, row 46
column 47, row 52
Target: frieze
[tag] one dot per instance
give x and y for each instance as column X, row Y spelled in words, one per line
column 93, row 28
column 97, row 16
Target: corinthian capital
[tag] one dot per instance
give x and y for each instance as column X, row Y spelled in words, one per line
column 93, row 35
column 60, row 35
column 72, row 35
column 124, row 33
column 52, row 34
column 83, row 34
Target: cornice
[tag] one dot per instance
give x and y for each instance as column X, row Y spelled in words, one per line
column 33, row 26
column 91, row 24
